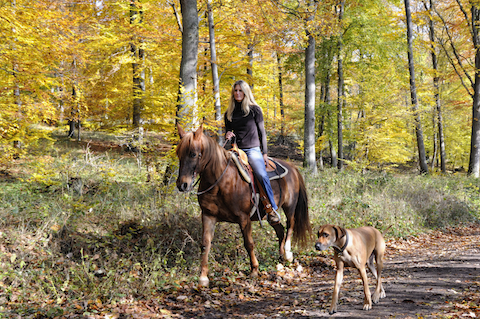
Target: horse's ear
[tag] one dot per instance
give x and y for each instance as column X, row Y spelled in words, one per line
column 198, row 133
column 180, row 130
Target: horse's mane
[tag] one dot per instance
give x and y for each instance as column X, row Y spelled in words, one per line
column 213, row 155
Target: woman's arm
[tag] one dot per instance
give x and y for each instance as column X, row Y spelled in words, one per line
column 262, row 135
column 228, row 128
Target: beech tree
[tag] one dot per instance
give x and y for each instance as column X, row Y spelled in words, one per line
column 216, row 82
column 413, row 93
column 340, row 93
column 187, row 97
column 309, row 135
column 458, row 52
column 74, row 61
column 438, row 117
column 138, row 53
column 326, row 51
column 474, row 164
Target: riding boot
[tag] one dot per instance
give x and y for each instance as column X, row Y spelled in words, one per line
column 272, row 215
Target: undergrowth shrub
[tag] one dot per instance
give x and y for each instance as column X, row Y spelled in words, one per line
column 408, row 203
column 82, row 225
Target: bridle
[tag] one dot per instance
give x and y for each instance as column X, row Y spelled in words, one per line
column 218, row 179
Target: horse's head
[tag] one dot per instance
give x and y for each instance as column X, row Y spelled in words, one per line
column 189, row 153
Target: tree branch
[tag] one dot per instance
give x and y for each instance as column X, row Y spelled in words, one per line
column 455, row 67
column 454, row 49
column 175, row 12
column 466, row 17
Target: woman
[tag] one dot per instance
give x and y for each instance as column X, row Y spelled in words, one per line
column 244, row 120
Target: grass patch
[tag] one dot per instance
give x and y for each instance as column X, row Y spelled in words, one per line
column 79, row 228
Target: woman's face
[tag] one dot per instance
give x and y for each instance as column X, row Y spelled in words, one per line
column 238, row 94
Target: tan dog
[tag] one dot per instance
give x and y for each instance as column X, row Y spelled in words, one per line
column 355, row 248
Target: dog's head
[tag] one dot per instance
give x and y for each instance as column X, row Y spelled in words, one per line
column 328, row 235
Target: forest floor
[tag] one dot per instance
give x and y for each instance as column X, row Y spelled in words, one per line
column 433, row 275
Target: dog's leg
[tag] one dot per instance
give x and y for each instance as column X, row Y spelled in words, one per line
column 367, row 301
column 371, row 265
column 379, row 291
column 336, row 287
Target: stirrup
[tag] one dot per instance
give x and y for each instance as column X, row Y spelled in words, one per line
column 273, row 216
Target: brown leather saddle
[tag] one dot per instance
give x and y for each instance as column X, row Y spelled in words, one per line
column 275, row 170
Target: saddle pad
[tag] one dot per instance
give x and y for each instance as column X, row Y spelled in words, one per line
column 241, row 168
column 275, row 170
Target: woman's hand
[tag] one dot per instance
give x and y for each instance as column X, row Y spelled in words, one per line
column 265, row 159
column 229, row 135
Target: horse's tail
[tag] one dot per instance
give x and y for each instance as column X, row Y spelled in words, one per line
column 302, row 230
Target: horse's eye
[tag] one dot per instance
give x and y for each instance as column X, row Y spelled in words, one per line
column 192, row 155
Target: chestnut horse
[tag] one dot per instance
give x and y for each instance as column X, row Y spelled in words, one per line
column 225, row 197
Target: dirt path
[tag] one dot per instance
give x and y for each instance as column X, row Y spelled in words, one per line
column 431, row 276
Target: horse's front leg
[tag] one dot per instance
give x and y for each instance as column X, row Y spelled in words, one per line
column 208, row 224
column 246, row 228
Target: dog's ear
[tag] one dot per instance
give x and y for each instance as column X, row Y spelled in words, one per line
column 343, row 231
column 339, row 232
column 335, row 228
column 320, row 231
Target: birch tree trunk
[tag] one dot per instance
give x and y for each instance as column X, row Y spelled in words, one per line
column 474, row 163
column 413, row 93
column 187, row 96
column 309, row 134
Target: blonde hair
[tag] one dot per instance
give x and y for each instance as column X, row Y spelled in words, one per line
column 248, row 100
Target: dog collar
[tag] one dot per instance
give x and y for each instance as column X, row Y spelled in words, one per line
column 340, row 251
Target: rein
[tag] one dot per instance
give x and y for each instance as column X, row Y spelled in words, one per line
column 218, row 180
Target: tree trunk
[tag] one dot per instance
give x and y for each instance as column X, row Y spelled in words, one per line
column 327, row 50
column 136, row 17
column 309, row 134
column 250, row 64
column 187, row 96
column 73, row 115
column 280, row 90
column 75, row 111
column 439, row 117
column 216, row 82
column 413, row 93
column 474, row 163
column 340, row 94
column 250, row 59
column 321, row 128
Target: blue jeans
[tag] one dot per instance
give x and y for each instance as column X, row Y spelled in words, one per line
column 255, row 159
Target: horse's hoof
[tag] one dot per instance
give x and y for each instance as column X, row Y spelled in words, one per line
column 289, row 256
column 203, row 281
